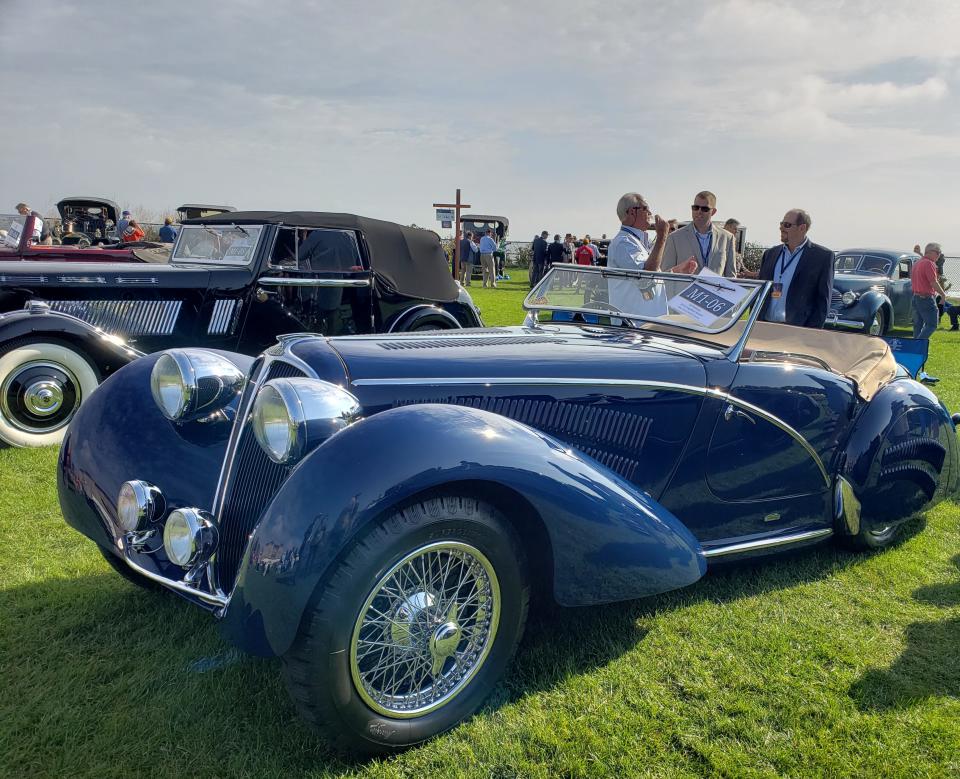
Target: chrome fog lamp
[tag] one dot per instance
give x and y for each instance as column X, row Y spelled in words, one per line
column 849, row 298
column 138, row 504
column 189, row 536
column 192, row 383
column 292, row 416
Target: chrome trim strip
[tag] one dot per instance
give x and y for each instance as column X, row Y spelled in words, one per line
column 4, row 279
column 82, row 279
column 708, row 392
column 292, row 282
column 137, row 280
column 207, row 597
column 767, row 543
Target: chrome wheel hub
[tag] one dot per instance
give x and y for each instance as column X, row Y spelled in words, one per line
column 425, row 629
column 43, row 398
column 39, row 397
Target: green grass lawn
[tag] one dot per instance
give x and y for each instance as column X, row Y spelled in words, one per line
column 821, row 663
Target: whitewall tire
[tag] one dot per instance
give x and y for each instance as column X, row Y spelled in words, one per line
column 42, row 384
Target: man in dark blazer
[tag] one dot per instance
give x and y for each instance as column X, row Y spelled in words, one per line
column 539, row 260
column 802, row 275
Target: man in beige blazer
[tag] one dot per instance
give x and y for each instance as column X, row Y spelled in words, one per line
column 711, row 246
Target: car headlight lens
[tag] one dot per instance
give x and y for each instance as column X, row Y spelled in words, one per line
column 292, row 416
column 189, row 537
column 137, row 504
column 191, row 383
column 849, row 298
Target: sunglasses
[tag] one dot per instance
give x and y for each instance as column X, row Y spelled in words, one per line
column 704, row 209
column 643, row 207
column 788, row 225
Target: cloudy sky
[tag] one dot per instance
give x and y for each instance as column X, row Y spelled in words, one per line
column 545, row 112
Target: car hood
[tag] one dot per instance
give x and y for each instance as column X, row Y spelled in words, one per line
column 567, row 352
column 40, row 276
column 857, row 282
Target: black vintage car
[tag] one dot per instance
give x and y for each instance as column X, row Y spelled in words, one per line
column 234, row 281
column 88, row 221
column 871, row 290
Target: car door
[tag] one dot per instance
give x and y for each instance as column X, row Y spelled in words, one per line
column 901, row 291
column 314, row 280
column 768, row 441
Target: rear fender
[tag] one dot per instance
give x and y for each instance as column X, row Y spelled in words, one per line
column 901, row 456
column 609, row 541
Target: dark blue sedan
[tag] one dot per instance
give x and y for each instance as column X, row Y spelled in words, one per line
column 377, row 510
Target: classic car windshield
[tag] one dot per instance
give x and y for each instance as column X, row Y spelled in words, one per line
column 221, row 244
column 863, row 263
column 705, row 302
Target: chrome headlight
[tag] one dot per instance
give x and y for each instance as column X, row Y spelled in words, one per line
column 849, row 298
column 137, row 504
column 191, row 383
column 189, row 537
column 292, row 416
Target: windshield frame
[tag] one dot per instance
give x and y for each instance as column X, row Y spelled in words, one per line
column 219, row 263
column 759, row 289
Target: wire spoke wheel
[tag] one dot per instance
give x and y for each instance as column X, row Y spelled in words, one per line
column 425, row 629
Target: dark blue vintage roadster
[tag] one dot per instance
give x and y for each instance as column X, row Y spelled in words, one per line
column 377, row 509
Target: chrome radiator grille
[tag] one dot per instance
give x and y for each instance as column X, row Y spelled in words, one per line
column 836, row 299
column 251, row 483
column 124, row 317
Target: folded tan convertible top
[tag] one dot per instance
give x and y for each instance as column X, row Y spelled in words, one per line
column 865, row 360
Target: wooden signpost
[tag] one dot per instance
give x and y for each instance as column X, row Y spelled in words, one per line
column 456, row 230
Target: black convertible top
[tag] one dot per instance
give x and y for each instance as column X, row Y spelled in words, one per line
column 85, row 201
column 407, row 260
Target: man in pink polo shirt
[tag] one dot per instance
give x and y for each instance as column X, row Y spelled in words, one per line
column 926, row 286
column 925, row 281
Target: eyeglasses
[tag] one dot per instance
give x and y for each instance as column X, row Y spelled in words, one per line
column 703, row 209
column 788, row 225
column 642, row 207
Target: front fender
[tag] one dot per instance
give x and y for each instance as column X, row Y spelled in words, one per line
column 609, row 541
column 867, row 306
column 37, row 322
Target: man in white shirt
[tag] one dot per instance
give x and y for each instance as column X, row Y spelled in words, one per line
column 631, row 249
column 712, row 246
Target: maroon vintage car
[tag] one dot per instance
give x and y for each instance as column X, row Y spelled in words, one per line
column 26, row 249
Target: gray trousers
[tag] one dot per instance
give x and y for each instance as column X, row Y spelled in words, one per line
column 488, row 269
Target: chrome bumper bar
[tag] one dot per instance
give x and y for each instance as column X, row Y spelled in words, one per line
column 850, row 324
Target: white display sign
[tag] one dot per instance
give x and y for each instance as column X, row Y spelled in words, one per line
column 444, row 214
column 12, row 237
column 706, row 303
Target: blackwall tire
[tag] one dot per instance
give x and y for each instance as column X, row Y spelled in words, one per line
column 453, row 643
column 42, row 384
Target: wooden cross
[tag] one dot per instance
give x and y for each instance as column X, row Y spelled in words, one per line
column 456, row 230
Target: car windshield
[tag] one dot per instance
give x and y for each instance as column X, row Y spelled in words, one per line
column 705, row 303
column 220, row 244
column 863, row 263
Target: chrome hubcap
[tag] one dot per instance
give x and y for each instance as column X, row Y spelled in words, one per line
column 425, row 629
column 39, row 397
column 43, row 398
